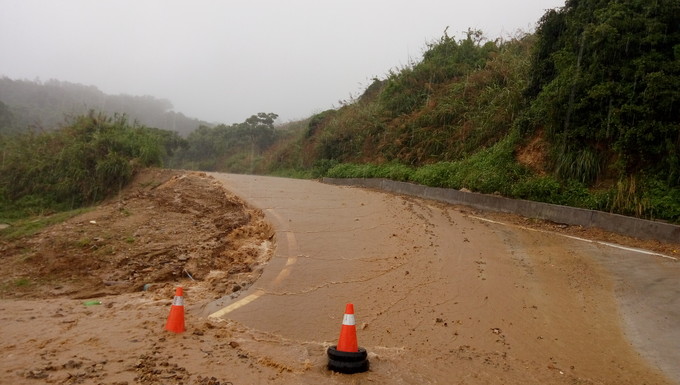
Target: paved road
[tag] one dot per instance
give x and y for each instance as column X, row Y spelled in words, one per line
column 439, row 292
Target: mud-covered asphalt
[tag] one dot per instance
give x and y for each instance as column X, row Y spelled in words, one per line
column 444, row 297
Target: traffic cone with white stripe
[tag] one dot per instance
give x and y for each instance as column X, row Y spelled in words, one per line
column 347, row 357
column 175, row 322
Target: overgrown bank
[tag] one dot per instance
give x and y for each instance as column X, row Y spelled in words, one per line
column 567, row 115
column 85, row 161
column 583, row 112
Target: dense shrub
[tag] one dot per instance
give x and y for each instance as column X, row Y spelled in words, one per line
column 86, row 161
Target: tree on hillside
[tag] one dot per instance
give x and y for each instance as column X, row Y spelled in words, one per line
column 259, row 129
column 213, row 148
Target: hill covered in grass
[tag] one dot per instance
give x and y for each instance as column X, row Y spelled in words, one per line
column 79, row 164
column 583, row 112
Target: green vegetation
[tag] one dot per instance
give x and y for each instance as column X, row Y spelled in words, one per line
column 82, row 163
column 11, row 286
column 237, row 148
column 491, row 171
column 598, row 85
column 22, row 282
column 463, row 96
column 584, row 112
column 605, row 84
column 605, row 80
column 31, row 225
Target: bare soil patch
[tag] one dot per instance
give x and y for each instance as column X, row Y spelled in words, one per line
column 85, row 301
column 169, row 226
column 535, row 153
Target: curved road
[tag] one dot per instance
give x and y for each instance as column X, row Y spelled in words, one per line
column 444, row 296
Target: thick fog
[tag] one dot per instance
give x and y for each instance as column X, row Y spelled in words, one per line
column 223, row 61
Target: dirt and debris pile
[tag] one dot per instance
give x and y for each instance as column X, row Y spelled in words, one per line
column 166, row 227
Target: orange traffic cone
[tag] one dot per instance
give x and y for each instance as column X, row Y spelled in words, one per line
column 347, row 357
column 348, row 332
column 175, row 322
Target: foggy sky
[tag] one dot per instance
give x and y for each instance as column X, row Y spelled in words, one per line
column 222, row 61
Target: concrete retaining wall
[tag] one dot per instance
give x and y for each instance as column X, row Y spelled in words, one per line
column 634, row 227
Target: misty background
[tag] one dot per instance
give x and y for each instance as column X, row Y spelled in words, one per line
column 582, row 112
column 222, row 61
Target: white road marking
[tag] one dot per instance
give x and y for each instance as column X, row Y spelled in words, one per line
column 641, row 251
column 238, row 304
column 283, row 274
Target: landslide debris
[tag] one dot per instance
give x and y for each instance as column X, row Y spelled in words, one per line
column 167, row 226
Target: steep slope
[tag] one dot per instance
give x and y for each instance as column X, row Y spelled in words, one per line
column 567, row 115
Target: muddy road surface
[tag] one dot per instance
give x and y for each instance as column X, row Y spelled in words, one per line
column 442, row 295
column 445, row 296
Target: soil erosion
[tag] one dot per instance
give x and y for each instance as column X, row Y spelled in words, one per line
column 442, row 295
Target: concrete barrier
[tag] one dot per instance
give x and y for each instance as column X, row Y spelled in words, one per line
column 635, row 227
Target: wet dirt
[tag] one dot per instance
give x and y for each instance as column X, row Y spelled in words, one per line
column 85, row 301
column 168, row 226
column 441, row 296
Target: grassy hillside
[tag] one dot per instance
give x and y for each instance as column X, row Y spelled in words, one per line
column 566, row 115
column 76, row 165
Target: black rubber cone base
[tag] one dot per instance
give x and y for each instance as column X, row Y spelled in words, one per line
column 347, row 362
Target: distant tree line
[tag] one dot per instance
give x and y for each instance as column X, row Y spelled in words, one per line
column 45, row 105
column 235, row 148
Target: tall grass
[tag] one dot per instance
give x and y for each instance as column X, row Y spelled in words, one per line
column 583, row 165
column 89, row 159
